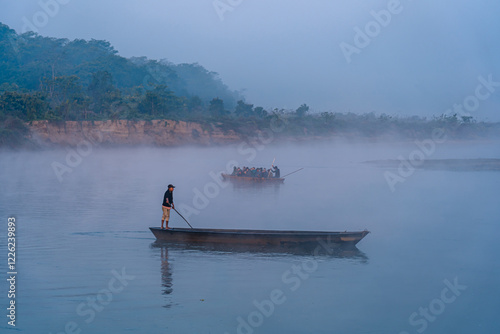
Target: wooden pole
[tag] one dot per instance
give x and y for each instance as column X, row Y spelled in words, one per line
column 292, row 172
column 269, row 172
column 182, row 217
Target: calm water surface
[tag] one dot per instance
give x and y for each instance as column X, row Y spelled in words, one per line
column 87, row 262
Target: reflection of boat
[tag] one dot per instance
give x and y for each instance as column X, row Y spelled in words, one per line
column 265, row 238
column 335, row 252
column 236, row 178
column 169, row 253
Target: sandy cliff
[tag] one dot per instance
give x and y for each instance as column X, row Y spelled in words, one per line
column 124, row 132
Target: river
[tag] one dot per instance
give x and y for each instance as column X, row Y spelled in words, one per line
column 86, row 261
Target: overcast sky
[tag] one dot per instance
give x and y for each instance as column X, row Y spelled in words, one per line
column 408, row 57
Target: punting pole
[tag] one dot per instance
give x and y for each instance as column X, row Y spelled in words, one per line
column 182, row 217
column 272, row 165
column 292, row 172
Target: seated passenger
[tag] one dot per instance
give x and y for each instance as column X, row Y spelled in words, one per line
column 258, row 172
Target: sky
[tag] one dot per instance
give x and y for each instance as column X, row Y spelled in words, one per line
column 402, row 58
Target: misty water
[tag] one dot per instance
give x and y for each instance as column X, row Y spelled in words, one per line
column 88, row 263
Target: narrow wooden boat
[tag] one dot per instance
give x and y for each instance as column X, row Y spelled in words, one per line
column 266, row 238
column 252, row 179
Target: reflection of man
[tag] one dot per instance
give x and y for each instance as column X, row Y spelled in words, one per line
column 168, row 203
column 166, row 273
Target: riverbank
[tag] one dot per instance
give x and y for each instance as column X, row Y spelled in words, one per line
column 15, row 134
column 128, row 133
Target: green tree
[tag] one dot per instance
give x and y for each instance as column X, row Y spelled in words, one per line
column 65, row 94
column 195, row 105
column 160, row 102
column 23, row 106
column 259, row 112
column 243, row 109
column 327, row 117
column 216, row 108
column 102, row 91
column 468, row 119
column 302, row 110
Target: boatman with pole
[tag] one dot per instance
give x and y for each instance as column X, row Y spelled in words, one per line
column 168, row 203
column 276, row 172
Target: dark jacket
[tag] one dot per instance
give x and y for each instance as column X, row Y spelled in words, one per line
column 168, row 199
column 276, row 172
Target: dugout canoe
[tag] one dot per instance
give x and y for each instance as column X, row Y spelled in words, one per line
column 272, row 238
column 252, row 179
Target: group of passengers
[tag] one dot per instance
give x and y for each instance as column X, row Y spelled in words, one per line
column 273, row 172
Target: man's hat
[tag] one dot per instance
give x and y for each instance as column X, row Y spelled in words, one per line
column 171, row 186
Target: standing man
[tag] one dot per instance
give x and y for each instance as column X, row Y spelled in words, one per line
column 168, row 203
column 276, row 171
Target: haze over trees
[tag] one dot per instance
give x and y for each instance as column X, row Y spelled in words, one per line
column 78, row 80
column 43, row 78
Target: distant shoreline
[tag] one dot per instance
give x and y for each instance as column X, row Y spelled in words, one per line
column 174, row 133
column 459, row 165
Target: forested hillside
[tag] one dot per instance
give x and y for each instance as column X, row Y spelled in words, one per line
column 43, row 78
column 51, row 78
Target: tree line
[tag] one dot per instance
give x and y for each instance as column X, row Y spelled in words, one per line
column 44, row 78
column 59, row 79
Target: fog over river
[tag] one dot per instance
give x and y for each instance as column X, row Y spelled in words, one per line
column 87, row 262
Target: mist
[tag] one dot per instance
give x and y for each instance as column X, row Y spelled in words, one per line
column 433, row 227
column 82, row 184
